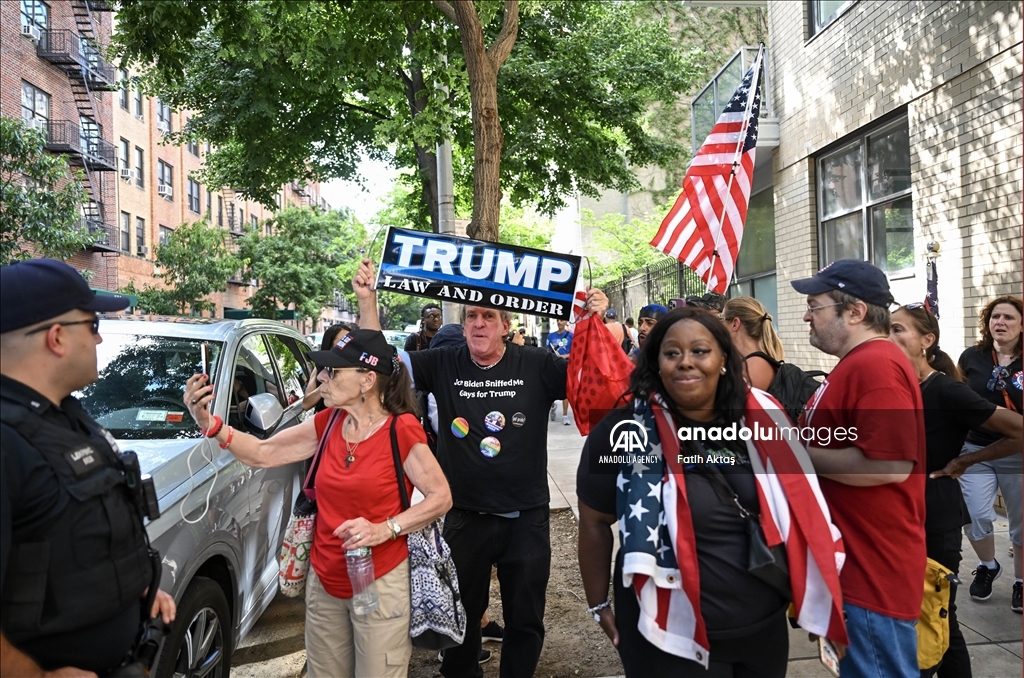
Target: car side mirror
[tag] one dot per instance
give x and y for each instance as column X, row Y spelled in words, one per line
column 263, row 414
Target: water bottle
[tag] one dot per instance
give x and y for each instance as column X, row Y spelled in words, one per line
column 360, row 573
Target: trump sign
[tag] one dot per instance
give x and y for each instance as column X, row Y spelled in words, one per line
column 479, row 273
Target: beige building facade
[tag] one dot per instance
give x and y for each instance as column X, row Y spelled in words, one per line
column 900, row 125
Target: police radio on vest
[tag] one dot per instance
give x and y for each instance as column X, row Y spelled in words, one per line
column 496, row 265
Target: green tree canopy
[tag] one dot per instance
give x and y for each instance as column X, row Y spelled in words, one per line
column 307, row 257
column 304, row 89
column 40, row 199
column 194, row 262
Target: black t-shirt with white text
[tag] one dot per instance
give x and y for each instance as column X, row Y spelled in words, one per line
column 977, row 367
column 951, row 410
column 492, row 442
column 733, row 602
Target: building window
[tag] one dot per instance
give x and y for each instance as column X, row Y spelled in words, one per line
column 126, row 232
column 254, row 220
column 193, row 148
column 165, row 175
column 755, row 266
column 165, row 233
column 207, row 147
column 824, row 12
column 163, row 117
column 140, row 166
column 123, row 157
column 865, row 208
column 35, row 103
column 140, row 236
column 35, row 13
column 122, row 88
column 89, row 134
column 139, row 105
column 193, row 195
column 220, row 211
column 241, row 219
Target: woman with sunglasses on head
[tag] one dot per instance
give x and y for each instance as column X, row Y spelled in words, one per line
column 951, row 410
column 367, row 393
column 992, row 368
column 694, row 594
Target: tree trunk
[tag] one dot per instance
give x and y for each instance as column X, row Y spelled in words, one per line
column 482, row 66
column 426, row 159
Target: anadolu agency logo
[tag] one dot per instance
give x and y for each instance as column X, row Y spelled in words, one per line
column 628, row 441
column 628, row 437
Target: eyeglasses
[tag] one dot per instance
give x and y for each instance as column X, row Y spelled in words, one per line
column 812, row 309
column 996, row 383
column 331, row 371
column 914, row 306
column 95, row 322
column 433, row 315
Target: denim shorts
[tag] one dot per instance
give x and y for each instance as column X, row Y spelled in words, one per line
column 880, row 646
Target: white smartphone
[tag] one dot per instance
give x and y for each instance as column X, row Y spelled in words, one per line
column 828, row 655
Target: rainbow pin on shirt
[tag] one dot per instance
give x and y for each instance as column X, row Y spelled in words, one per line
column 460, row 427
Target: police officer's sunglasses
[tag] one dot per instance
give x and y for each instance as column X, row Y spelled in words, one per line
column 95, row 322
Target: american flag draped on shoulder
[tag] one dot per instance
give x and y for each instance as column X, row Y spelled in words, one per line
column 704, row 228
column 660, row 560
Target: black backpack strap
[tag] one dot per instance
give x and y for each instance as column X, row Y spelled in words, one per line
column 399, row 473
column 767, row 358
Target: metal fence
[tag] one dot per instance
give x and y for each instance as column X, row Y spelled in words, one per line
column 652, row 285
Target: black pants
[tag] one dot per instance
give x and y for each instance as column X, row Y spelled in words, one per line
column 761, row 655
column 944, row 548
column 521, row 549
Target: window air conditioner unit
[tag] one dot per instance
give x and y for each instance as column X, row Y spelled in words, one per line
column 143, row 250
column 163, row 127
column 165, row 192
column 36, row 123
column 31, row 32
column 127, row 174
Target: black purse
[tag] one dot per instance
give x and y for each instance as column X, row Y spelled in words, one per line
column 767, row 563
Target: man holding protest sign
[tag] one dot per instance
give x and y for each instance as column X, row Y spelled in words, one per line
column 493, row 399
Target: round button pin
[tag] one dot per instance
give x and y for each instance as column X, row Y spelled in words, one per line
column 460, row 427
column 490, row 447
column 494, row 421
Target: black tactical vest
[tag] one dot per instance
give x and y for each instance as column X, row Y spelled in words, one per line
column 89, row 564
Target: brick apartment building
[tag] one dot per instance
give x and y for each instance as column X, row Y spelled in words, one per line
column 140, row 190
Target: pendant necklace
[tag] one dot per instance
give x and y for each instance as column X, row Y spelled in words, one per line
column 351, row 449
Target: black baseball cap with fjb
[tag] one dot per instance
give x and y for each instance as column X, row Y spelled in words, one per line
column 857, row 278
column 367, row 349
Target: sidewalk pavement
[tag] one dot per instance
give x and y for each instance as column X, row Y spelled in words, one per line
column 991, row 629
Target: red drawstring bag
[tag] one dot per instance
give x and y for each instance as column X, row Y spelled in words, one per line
column 599, row 371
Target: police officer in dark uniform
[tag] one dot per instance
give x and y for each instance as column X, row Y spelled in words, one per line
column 74, row 559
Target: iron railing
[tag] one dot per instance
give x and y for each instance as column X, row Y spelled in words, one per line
column 64, row 136
column 655, row 284
column 76, row 55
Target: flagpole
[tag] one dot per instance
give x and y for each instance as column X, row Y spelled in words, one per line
column 755, row 82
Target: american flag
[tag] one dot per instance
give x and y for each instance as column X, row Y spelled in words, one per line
column 704, row 228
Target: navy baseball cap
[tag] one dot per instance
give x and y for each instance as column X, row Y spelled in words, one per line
column 654, row 311
column 610, row 314
column 854, row 277
column 452, row 334
column 363, row 348
column 35, row 290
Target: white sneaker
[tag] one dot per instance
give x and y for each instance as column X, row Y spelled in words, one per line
column 565, row 420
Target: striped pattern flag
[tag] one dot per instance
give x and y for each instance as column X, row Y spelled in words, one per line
column 704, row 228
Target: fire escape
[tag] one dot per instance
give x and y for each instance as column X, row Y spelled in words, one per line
column 78, row 55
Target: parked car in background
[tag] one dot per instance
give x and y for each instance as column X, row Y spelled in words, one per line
column 396, row 338
column 315, row 339
column 221, row 522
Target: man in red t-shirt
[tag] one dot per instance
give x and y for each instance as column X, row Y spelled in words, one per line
column 869, row 451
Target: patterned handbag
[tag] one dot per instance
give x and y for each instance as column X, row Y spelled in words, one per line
column 298, row 536
column 437, row 619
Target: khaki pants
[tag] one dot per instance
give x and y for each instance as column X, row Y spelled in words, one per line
column 340, row 644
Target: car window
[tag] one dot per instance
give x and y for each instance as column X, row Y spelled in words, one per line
column 291, row 364
column 254, row 374
column 141, row 384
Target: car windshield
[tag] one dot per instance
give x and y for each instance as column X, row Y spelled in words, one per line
column 138, row 395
